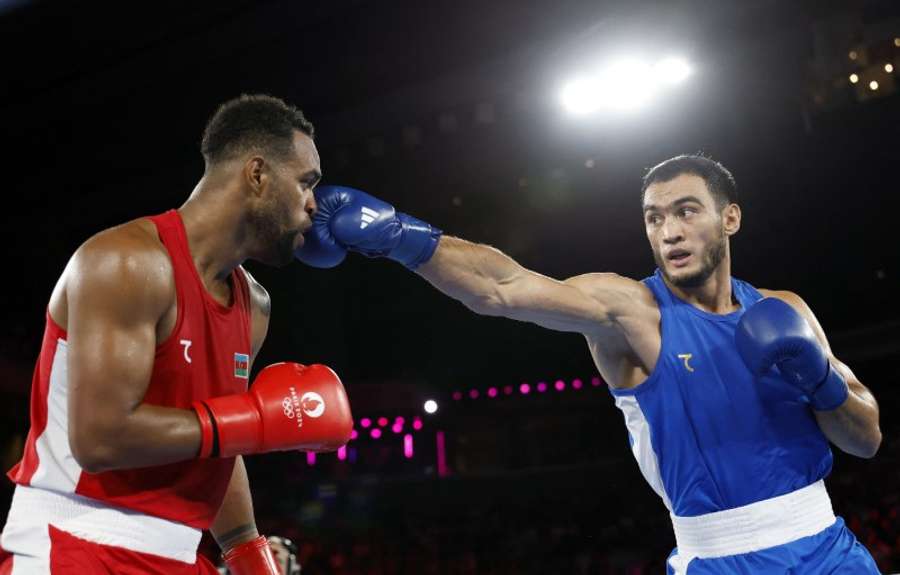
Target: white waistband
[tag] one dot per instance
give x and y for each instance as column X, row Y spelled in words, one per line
column 756, row 526
column 33, row 509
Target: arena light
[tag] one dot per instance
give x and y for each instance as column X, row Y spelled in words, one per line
column 854, row 78
column 888, row 67
column 310, row 457
column 417, row 424
column 873, row 85
column 576, row 384
column 375, row 433
column 342, row 453
column 492, row 392
column 524, row 389
column 541, row 387
column 382, row 421
column 431, row 406
column 623, row 85
column 559, row 385
column 408, row 446
column 365, row 422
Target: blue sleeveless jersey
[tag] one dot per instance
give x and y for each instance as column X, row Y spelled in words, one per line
column 706, row 434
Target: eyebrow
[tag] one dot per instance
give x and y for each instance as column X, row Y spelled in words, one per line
column 678, row 202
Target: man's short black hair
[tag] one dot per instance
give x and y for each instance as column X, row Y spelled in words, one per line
column 252, row 122
column 718, row 179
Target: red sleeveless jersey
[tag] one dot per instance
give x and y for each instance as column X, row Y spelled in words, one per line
column 207, row 355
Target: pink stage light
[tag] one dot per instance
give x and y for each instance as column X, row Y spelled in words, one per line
column 473, row 393
column 595, row 381
column 408, row 446
column 492, row 392
column 342, row 452
column 375, row 433
column 559, row 385
column 541, row 387
column 310, row 458
column 397, row 428
column 507, row 390
column 365, row 422
column 399, row 420
column 457, row 395
column 524, row 389
column 441, row 455
column 576, row 384
column 382, row 421
column 354, row 434
column 417, row 424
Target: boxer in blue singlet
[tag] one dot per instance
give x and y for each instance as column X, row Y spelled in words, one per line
column 731, row 394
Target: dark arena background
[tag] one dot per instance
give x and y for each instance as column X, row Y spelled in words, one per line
column 464, row 114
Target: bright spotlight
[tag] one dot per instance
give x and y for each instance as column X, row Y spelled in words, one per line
column 624, row 85
column 672, row 70
column 854, row 78
column 873, row 85
column 582, row 96
column 431, row 406
column 888, row 67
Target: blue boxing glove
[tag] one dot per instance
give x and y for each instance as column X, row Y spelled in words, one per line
column 772, row 333
column 348, row 219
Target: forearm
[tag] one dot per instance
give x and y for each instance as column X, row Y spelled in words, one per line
column 853, row 427
column 150, row 435
column 472, row 273
column 234, row 524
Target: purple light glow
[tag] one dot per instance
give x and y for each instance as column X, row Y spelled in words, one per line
column 397, row 428
column 576, row 384
column 595, row 381
column 354, row 434
column 524, row 389
column 417, row 424
column 473, row 393
column 541, row 387
column 375, row 433
column 441, row 455
column 365, row 422
column 310, row 458
column 342, row 453
column 559, row 385
column 399, row 420
column 492, row 392
column 382, row 421
column 408, row 446
column 457, row 395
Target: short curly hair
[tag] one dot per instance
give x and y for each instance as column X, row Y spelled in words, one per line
column 252, row 122
column 719, row 180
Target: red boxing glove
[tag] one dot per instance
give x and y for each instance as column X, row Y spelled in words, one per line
column 289, row 406
column 254, row 557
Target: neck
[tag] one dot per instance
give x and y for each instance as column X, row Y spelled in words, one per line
column 714, row 295
column 216, row 230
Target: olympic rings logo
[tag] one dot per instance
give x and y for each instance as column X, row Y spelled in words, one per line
column 288, row 406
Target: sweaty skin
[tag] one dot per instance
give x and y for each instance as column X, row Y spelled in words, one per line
column 117, row 301
column 619, row 317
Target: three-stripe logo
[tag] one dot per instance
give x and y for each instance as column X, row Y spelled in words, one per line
column 368, row 216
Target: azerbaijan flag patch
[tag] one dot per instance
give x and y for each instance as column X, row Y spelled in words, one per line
column 242, row 365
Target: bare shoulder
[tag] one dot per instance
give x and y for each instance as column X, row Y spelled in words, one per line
column 127, row 262
column 259, row 297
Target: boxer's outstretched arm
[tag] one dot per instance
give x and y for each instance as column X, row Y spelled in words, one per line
column 117, row 289
column 489, row 282
column 853, row 427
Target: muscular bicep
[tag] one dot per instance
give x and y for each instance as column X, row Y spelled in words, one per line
column 114, row 301
column 582, row 304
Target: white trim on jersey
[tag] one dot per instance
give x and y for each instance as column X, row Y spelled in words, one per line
column 57, row 469
column 26, row 532
column 641, row 445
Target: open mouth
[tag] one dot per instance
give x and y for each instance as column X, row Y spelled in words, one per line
column 679, row 257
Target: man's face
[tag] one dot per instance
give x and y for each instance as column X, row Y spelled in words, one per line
column 286, row 214
column 685, row 229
